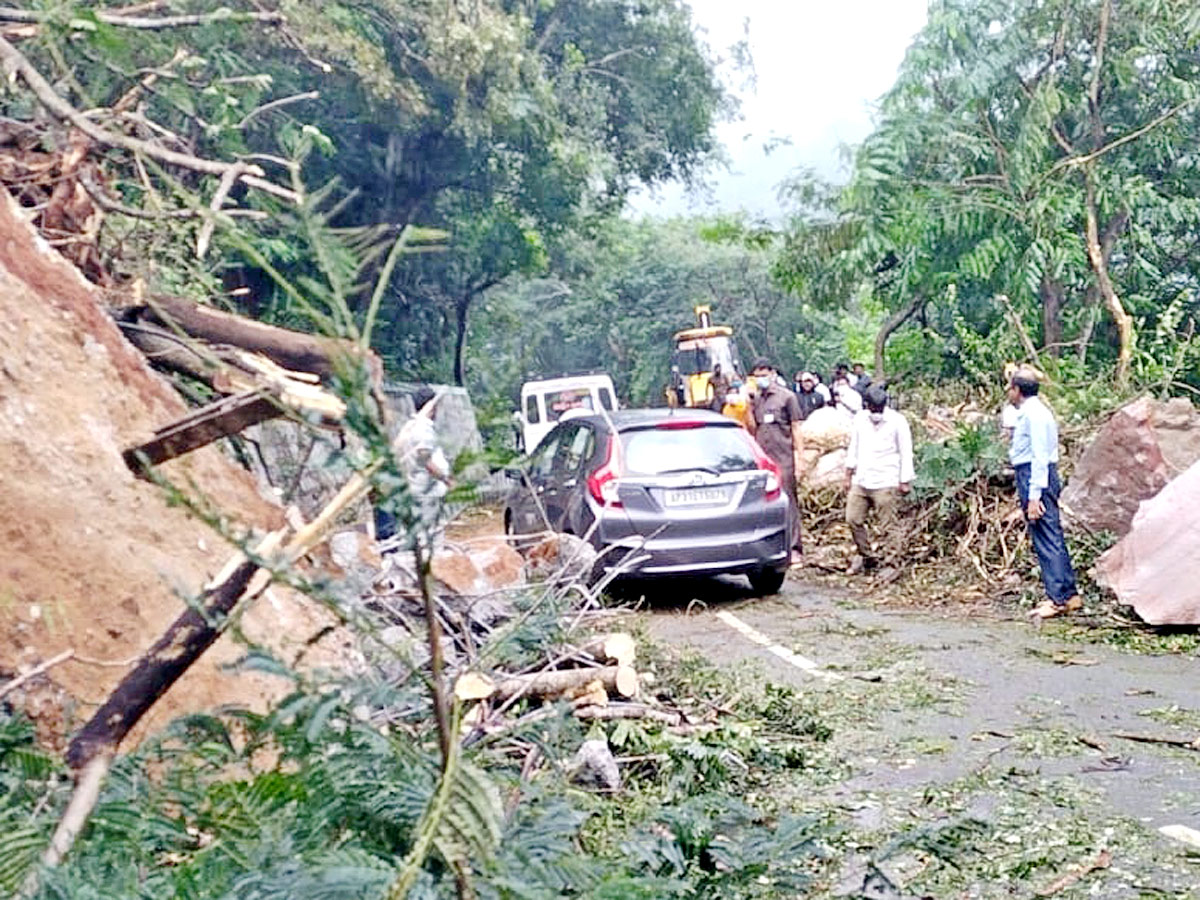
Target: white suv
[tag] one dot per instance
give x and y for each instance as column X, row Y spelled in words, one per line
column 545, row 402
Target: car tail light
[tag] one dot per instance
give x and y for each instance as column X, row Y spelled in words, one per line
column 774, row 476
column 602, row 483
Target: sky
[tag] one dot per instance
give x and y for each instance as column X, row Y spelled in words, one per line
column 820, row 67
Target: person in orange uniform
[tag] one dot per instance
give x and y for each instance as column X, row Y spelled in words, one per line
column 736, row 405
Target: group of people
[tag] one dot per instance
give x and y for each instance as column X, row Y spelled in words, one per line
column 732, row 395
column 879, row 466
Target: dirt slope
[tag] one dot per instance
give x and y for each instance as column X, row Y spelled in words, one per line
column 95, row 560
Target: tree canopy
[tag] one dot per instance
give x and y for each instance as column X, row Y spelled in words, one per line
column 1033, row 166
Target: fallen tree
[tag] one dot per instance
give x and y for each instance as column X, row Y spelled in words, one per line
column 295, row 350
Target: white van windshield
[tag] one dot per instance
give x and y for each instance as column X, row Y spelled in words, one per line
column 558, row 402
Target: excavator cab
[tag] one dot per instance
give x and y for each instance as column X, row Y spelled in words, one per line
column 697, row 353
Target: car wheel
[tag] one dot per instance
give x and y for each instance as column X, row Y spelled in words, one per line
column 767, row 581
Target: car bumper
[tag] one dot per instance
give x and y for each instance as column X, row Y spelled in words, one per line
column 698, row 556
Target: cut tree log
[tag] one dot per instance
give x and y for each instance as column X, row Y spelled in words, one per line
column 473, row 686
column 231, row 370
column 618, row 647
column 591, row 694
column 619, row 680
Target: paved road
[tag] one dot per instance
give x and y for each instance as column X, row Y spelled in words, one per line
column 969, row 711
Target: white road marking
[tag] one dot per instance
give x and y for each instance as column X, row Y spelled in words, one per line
column 795, row 659
column 1189, row 836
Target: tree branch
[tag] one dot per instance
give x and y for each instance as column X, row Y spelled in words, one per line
column 275, row 104
column 1094, row 87
column 107, row 204
column 8, row 14
column 1072, row 161
column 885, row 331
column 14, row 61
column 218, row 200
column 1112, row 300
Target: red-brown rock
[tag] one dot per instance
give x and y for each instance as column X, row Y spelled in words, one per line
column 484, row 566
column 1141, row 448
column 1155, row 568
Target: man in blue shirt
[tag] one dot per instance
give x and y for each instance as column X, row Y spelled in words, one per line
column 1034, row 455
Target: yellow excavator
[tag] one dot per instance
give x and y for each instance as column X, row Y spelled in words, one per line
column 698, row 351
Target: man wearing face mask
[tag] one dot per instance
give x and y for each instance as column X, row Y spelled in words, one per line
column 777, row 419
column 879, row 467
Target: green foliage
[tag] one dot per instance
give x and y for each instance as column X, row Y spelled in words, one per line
column 723, row 849
column 975, row 186
column 28, row 777
column 945, row 471
column 616, row 296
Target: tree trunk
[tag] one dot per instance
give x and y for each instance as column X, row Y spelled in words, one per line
column 461, row 309
column 889, row 327
column 1108, row 292
column 291, row 349
column 619, row 680
column 172, row 655
column 1053, row 299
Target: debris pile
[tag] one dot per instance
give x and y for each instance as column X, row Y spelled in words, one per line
column 826, row 436
column 483, row 589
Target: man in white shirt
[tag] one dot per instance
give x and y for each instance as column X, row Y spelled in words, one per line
column 879, row 467
column 846, row 399
column 1034, row 457
column 405, row 519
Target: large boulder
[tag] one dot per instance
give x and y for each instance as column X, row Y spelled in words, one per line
column 1155, row 568
column 827, row 470
column 485, row 566
column 1141, row 448
column 826, row 429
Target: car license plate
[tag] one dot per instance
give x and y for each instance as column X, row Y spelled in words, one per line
column 700, row 496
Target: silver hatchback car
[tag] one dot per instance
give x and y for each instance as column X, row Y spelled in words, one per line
column 659, row 492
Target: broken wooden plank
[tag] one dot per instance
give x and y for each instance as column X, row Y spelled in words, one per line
column 227, row 416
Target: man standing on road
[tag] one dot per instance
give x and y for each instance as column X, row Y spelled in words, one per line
column 879, row 466
column 1034, row 456
column 777, row 421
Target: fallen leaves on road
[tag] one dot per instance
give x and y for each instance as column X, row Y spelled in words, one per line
column 1102, row 861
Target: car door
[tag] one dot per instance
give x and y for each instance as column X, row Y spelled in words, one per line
column 572, row 460
column 528, row 506
column 562, row 477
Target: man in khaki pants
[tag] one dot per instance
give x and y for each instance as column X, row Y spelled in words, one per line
column 879, row 467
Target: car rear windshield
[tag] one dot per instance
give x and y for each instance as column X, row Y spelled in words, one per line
column 654, row 451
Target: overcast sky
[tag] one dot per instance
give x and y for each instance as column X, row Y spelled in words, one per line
column 820, row 68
